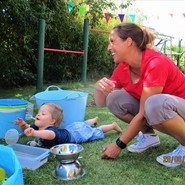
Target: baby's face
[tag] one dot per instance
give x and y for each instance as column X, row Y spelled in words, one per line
column 44, row 117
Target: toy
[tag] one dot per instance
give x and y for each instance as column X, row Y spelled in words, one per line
column 3, row 177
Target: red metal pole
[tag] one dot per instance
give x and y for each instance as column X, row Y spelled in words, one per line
column 99, row 31
column 64, row 51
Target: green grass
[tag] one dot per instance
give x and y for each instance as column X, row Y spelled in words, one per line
column 129, row 168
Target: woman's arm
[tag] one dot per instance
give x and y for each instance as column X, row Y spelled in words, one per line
column 138, row 121
column 112, row 150
column 102, row 88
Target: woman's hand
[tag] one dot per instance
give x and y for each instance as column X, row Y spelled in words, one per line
column 105, row 86
column 111, row 151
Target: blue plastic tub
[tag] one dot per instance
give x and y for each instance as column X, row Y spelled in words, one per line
column 11, row 165
column 10, row 110
column 31, row 157
column 73, row 103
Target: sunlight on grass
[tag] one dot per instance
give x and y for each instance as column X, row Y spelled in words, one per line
column 129, row 168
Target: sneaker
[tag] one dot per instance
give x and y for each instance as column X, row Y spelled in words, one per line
column 173, row 159
column 144, row 141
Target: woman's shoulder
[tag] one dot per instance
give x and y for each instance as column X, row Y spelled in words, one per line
column 122, row 66
column 149, row 54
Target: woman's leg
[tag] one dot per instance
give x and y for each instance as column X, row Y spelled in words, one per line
column 125, row 107
column 174, row 127
column 122, row 105
column 166, row 113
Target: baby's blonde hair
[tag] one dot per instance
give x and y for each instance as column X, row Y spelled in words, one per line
column 57, row 113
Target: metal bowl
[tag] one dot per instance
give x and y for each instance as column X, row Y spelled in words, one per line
column 66, row 152
column 68, row 171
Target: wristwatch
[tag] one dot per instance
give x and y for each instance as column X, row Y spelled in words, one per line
column 120, row 144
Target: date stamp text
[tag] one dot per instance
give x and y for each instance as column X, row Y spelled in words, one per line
column 173, row 159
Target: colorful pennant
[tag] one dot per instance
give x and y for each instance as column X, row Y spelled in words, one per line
column 82, row 10
column 107, row 17
column 70, row 6
column 121, row 17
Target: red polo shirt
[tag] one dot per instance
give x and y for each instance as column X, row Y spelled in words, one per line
column 156, row 70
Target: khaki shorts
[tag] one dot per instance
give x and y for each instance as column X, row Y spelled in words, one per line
column 158, row 108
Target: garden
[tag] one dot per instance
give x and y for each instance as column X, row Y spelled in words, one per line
column 20, row 71
column 129, row 168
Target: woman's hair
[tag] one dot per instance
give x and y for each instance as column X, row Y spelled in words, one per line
column 56, row 114
column 143, row 37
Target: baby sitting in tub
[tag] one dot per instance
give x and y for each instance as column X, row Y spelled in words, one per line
column 47, row 128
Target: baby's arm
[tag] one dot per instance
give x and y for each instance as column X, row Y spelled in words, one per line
column 44, row 134
column 23, row 125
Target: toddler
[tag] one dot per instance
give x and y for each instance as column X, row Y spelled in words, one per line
column 47, row 128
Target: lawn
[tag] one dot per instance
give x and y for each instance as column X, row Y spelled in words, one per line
column 129, row 168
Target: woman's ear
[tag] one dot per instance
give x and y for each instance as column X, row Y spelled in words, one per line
column 129, row 41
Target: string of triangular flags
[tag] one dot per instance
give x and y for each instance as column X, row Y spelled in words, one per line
column 82, row 10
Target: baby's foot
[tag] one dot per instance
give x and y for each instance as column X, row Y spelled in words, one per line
column 95, row 121
column 117, row 128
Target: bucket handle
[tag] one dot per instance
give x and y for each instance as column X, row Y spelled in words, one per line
column 51, row 86
column 47, row 89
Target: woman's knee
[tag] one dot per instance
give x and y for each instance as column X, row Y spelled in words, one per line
column 153, row 109
column 120, row 102
column 112, row 98
column 158, row 109
column 151, row 105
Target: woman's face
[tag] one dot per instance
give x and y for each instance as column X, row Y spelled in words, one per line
column 117, row 47
column 44, row 117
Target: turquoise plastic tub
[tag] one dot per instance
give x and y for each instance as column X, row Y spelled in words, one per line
column 11, row 165
column 73, row 103
column 10, row 110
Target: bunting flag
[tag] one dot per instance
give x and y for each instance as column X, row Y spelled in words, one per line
column 121, row 17
column 70, row 6
column 107, row 17
column 82, row 10
column 145, row 17
column 132, row 17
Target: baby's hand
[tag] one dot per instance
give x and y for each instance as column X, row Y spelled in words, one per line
column 20, row 122
column 29, row 132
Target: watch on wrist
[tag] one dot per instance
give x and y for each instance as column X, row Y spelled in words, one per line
column 120, row 144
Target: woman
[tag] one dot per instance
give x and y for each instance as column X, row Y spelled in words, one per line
column 146, row 90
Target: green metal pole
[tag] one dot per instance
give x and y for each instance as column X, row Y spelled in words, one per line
column 85, row 48
column 179, row 51
column 40, row 60
column 164, row 49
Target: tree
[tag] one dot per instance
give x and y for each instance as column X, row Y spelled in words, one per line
column 64, row 30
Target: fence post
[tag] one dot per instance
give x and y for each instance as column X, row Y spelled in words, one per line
column 179, row 51
column 85, row 48
column 40, row 59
